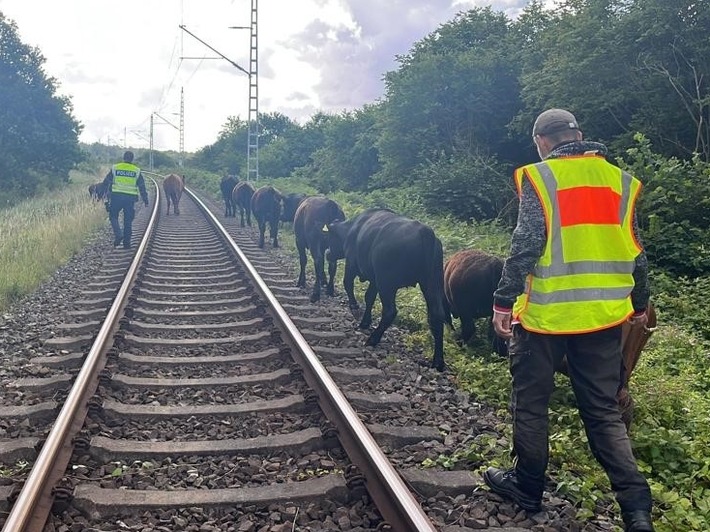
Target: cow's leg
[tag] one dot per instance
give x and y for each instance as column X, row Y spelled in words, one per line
column 249, row 216
column 302, row 260
column 332, row 269
column 436, row 327
column 318, row 260
column 167, row 197
column 176, row 205
column 389, row 313
column 262, row 230
column 274, row 231
column 349, row 286
column 370, row 296
column 468, row 328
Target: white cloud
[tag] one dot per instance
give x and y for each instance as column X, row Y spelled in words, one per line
column 121, row 61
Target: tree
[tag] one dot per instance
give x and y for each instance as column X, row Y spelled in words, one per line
column 39, row 135
column 456, row 91
column 348, row 158
column 624, row 66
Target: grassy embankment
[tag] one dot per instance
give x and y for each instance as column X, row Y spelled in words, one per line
column 40, row 234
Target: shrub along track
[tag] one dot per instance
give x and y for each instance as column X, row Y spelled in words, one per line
column 225, row 463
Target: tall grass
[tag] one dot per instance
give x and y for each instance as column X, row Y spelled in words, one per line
column 39, row 235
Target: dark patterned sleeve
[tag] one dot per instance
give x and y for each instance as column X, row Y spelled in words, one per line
column 526, row 247
column 641, row 291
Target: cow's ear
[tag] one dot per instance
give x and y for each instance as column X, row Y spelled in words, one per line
column 338, row 229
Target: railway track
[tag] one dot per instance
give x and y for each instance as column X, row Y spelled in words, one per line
column 200, row 392
column 209, row 404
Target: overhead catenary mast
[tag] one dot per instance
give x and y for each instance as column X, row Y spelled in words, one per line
column 182, row 128
column 253, row 136
column 253, row 73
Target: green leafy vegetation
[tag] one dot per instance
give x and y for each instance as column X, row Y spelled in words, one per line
column 39, row 142
column 39, row 235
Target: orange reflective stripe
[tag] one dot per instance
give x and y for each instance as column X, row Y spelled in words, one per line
column 588, row 205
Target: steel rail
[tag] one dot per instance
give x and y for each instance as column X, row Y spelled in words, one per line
column 26, row 514
column 388, row 491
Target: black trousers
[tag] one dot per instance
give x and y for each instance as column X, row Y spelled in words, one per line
column 594, row 362
column 127, row 204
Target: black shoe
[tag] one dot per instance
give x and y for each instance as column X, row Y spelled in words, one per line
column 505, row 483
column 117, row 242
column 638, row 521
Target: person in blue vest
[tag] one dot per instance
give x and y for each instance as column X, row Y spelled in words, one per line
column 576, row 272
column 124, row 183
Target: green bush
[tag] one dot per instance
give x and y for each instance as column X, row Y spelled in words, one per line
column 466, row 187
column 673, row 209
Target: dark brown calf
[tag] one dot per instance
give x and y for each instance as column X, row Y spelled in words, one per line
column 173, row 186
column 290, row 205
column 470, row 278
column 226, row 186
column 97, row 191
column 266, row 207
column 309, row 223
column 241, row 197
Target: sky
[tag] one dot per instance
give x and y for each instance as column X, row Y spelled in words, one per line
column 122, row 62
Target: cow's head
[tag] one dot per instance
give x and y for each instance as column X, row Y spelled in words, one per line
column 337, row 233
column 290, row 205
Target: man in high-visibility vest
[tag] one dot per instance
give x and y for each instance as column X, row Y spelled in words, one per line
column 124, row 182
column 575, row 274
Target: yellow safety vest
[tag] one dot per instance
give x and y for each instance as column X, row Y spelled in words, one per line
column 583, row 280
column 125, row 178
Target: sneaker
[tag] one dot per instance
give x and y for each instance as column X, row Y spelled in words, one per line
column 505, row 483
column 637, row 521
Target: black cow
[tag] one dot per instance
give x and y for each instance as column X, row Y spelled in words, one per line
column 241, row 196
column 309, row 222
column 266, row 207
column 227, row 186
column 470, row 278
column 391, row 252
column 290, row 205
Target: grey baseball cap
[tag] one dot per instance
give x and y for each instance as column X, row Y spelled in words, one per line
column 554, row 121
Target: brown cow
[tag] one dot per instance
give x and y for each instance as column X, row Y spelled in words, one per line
column 309, row 222
column 241, row 197
column 266, row 207
column 97, row 191
column 173, row 186
column 470, row 278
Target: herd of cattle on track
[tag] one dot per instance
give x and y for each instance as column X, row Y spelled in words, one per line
column 390, row 252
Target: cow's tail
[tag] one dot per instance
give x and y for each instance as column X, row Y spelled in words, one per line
column 434, row 293
column 434, row 268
